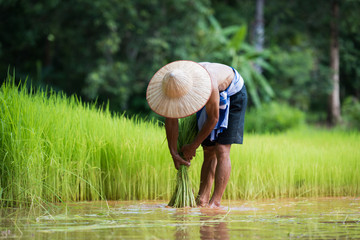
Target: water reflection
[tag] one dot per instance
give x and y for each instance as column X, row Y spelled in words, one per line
column 210, row 223
column 182, row 229
column 336, row 218
column 182, row 233
column 214, row 225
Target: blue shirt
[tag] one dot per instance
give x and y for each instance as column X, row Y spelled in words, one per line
column 224, row 107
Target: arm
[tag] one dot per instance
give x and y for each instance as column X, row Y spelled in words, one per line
column 212, row 111
column 172, row 133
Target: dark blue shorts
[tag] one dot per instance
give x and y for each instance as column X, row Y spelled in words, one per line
column 235, row 130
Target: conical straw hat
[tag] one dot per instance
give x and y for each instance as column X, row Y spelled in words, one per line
column 179, row 89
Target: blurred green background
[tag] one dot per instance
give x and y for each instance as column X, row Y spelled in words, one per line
column 293, row 54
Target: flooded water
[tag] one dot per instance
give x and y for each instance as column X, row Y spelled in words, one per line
column 332, row 218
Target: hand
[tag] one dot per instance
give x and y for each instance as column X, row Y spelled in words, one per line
column 178, row 160
column 189, row 151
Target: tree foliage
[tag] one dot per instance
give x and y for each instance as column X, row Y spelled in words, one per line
column 228, row 45
column 109, row 50
column 99, row 49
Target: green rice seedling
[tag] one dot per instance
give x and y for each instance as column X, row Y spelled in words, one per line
column 183, row 195
column 304, row 162
column 54, row 148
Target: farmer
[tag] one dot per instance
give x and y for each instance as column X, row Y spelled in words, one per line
column 217, row 94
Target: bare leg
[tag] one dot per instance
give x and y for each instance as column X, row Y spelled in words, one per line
column 222, row 173
column 207, row 176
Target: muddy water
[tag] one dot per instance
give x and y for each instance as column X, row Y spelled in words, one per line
column 335, row 218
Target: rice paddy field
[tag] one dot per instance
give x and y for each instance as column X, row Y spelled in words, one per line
column 56, row 150
column 321, row 218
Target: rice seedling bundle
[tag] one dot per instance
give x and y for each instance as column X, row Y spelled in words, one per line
column 183, row 195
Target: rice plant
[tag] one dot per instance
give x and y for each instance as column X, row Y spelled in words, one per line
column 183, row 195
column 55, row 148
column 304, row 162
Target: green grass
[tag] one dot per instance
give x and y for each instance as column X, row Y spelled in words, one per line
column 56, row 148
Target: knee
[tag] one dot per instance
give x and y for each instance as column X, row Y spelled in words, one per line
column 209, row 153
column 223, row 152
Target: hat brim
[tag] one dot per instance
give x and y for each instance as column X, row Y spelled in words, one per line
column 186, row 105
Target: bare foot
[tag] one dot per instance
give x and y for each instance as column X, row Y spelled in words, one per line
column 214, row 204
column 201, row 203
